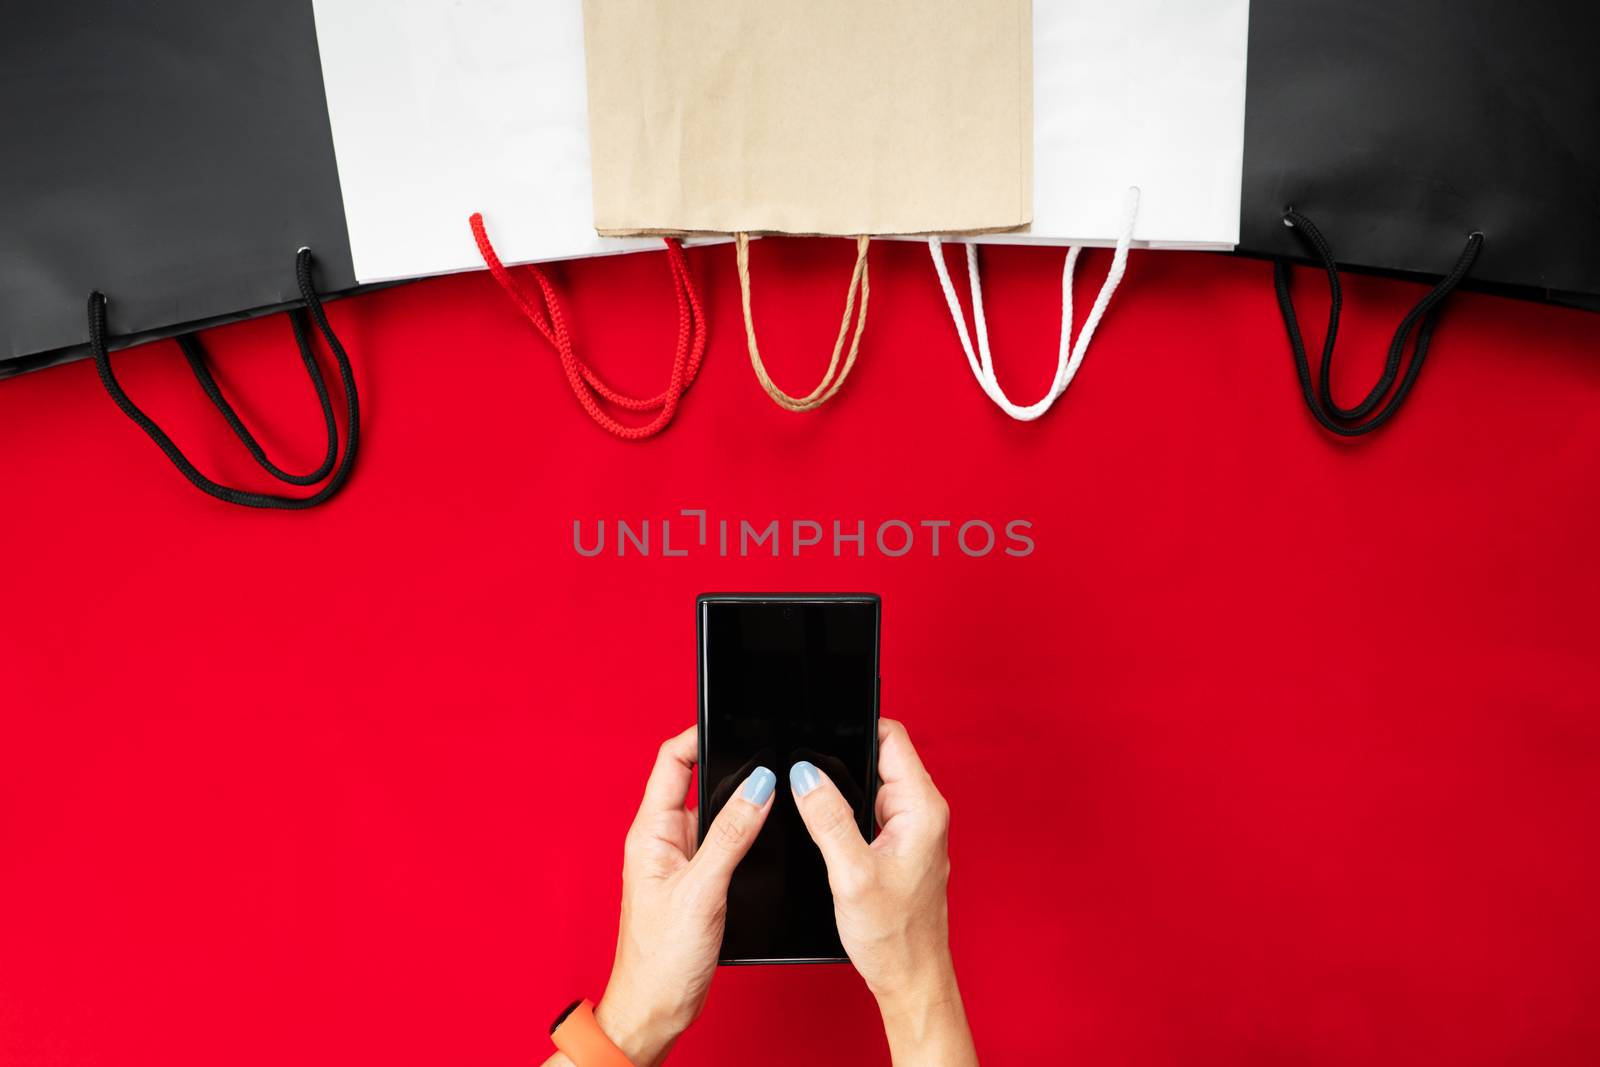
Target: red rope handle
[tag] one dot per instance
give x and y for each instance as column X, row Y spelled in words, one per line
column 545, row 312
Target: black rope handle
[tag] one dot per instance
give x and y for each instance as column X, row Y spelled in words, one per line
column 1347, row 421
column 196, row 357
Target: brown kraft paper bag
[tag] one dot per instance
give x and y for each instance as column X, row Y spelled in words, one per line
column 827, row 117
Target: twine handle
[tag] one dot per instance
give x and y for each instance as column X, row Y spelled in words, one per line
column 836, row 373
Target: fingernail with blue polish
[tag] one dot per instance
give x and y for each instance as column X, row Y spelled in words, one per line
column 804, row 777
column 759, row 786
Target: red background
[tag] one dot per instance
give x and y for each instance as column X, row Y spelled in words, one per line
column 1278, row 749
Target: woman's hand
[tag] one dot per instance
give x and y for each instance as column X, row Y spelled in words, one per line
column 674, row 903
column 889, row 899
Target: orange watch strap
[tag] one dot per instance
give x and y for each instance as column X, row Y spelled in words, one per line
column 580, row 1039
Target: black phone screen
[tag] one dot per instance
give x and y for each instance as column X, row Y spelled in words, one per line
column 784, row 679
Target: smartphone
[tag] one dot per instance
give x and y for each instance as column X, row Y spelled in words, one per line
column 783, row 678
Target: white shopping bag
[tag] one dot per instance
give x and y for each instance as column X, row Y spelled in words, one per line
column 455, row 119
column 1138, row 93
column 442, row 109
column 1138, row 141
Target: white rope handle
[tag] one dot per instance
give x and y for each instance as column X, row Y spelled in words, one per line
column 1070, row 355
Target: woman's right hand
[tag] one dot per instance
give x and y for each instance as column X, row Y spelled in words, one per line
column 889, row 899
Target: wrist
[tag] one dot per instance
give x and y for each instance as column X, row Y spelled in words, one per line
column 925, row 1021
column 644, row 1037
column 910, row 971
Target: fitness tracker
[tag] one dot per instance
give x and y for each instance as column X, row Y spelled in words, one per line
column 579, row 1037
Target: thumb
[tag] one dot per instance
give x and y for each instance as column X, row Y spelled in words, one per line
column 828, row 817
column 734, row 830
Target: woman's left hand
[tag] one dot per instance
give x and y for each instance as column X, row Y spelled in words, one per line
column 674, row 903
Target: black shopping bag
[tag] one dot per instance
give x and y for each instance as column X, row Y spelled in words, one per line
column 173, row 154
column 169, row 165
column 1447, row 139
